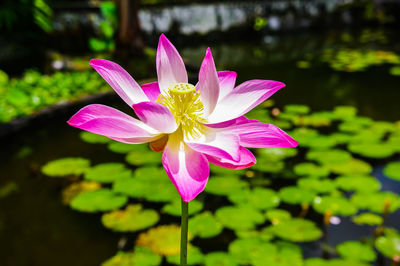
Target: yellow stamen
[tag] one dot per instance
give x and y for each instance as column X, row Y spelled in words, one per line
column 184, row 102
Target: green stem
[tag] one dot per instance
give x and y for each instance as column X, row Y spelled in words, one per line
column 184, row 232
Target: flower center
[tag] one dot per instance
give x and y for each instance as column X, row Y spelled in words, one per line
column 184, row 102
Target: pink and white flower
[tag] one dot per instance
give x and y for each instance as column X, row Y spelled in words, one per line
column 191, row 125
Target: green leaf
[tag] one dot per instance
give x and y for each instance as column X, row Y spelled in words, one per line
column 310, row 169
column 276, row 216
column 392, row 170
column 296, row 195
column 107, row 172
column 119, row 147
column 297, row 109
column 204, row 225
column 258, row 198
column 297, row 230
column 372, row 150
column 277, row 154
column 328, row 156
column 389, row 246
column 174, row 207
column 333, row 262
column 266, row 165
column 132, row 219
column 93, row 138
column 194, row 257
column 360, row 183
column 377, row 202
column 353, row 166
column 317, row 185
column 368, row 219
column 335, row 205
column 225, row 185
column 220, row 259
column 77, row 188
column 141, row 158
column 247, row 250
column 141, row 257
column 239, row 218
column 98, row 201
column 66, row 167
column 356, row 251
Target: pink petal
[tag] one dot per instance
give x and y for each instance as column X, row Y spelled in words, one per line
column 151, row 90
column 187, row 169
column 218, row 144
column 254, row 134
column 208, row 83
column 243, row 98
column 227, row 81
column 170, row 66
column 110, row 122
column 247, row 159
column 120, row 80
column 156, row 116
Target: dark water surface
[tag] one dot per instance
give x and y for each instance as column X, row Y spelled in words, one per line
column 37, row 229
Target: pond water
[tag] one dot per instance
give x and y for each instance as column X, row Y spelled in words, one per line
column 37, row 229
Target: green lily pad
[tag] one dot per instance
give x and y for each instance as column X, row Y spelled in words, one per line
column 356, row 251
column 98, row 201
column 204, row 225
column 345, row 112
column 220, row 171
column 296, row 195
column 141, row 158
column 141, row 257
column 297, row 109
column 372, row 150
column 160, row 191
column 353, row 166
column 303, row 135
column 267, row 165
column 132, row 219
column 225, row 185
column 119, row 147
column 320, row 142
column 368, row 219
column 107, row 172
column 77, row 188
column 392, row 170
column 93, row 138
column 239, row 218
column 220, row 259
column 163, row 240
column 341, row 138
column 297, row 230
column 361, row 183
column 276, row 216
column 366, row 136
column 288, row 254
column 277, row 154
column 336, row 205
column 389, row 246
column 151, row 173
column 310, row 169
column 265, row 234
column 382, row 127
column 258, row 198
column 377, row 202
column 328, row 156
column 194, row 257
column 333, row 262
column 355, row 124
column 174, row 207
column 245, row 251
column 395, row 71
column 317, row 185
column 66, row 167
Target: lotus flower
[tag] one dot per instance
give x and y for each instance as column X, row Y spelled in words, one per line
column 193, row 125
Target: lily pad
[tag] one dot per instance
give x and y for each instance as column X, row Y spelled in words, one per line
column 345, row 112
column 389, row 246
column 77, row 188
column 204, row 225
column 377, row 202
column 320, row 142
column 333, row 262
column 341, row 138
column 174, row 207
column 277, row 154
column 372, row 150
column 132, row 219
column 317, row 185
column 239, row 218
column 141, row 257
column 392, row 170
column 310, row 169
column 108, row 172
column 265, row 234
column 353, row 166
column 194, row 257
column 366, row 136
column 296, row 195
column 93, row 138
column 225, row 185
column 119, row 147
column 367, row 218
column 267, row 165
column 142, row 158
column 258, row 198
column 245, row 251
column 361, row 183
column 66, row 167
column 98, row 201
column 329, row 156
column 221, row 171
column 162, row 240
column 297, row 230
column 297, row 109
column 220, row 259
column 356, row 251
column 276, row 216
column 335, row 205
